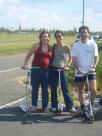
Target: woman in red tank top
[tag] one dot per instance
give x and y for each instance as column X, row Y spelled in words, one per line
column 40, row 75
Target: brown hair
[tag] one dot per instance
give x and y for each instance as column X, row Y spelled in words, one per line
column 43, row 32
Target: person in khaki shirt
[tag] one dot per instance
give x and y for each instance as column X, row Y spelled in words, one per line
column 61, row 52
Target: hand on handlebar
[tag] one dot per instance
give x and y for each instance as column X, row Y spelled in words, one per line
column 24, row 67
column 79, row 71
column 66, row 68
column 92, row 70
column 89, row 72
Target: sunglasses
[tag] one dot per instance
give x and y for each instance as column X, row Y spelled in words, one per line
column 58, row 36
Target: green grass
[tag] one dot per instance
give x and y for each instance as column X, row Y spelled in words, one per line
column 9, row 37
column 16, row 43
column 14, row 48
column 11, row 44
column 99, row 73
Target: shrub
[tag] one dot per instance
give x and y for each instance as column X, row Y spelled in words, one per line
column 99, row 72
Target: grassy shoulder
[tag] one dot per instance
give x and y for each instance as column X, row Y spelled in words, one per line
column 73, row 92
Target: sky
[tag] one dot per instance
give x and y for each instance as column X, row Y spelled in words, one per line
column 51, row 14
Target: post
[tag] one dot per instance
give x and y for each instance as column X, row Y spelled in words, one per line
column 83, row 14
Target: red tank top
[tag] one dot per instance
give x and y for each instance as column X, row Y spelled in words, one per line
column 42, row 59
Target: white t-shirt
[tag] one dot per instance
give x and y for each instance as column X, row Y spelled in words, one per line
column 85, row 54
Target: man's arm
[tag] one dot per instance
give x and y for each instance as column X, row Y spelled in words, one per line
column 96, row 60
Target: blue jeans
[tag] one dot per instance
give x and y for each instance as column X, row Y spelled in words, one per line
column 39, row 77
column 54, row 78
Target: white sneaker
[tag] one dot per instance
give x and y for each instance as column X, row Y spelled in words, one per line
column 73, row 110
column 33, row 108
column 53, row 109
column 46, row 110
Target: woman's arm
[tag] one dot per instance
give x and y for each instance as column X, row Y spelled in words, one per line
column 29, row 54
column 69, row 55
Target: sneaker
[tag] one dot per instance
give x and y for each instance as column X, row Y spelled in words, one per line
column 73, row 110
column 53, row 109
column 46, row 110
column 87, row 117
column 89, row 120
column 84, row 109
column 33, row 109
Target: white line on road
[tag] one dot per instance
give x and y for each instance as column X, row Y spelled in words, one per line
column 14, row 102
column 11, row 103
column 8, row 70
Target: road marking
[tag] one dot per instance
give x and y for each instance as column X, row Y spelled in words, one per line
column 8, row 70
column 14, row 102
column 11, row 103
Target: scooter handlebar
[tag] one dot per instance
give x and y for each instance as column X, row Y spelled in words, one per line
column 29, row 68
column 86, row 73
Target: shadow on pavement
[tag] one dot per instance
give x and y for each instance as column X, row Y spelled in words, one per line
column 98, row 116
column 13, row 114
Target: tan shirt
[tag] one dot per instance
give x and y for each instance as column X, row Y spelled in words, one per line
column 60, row 56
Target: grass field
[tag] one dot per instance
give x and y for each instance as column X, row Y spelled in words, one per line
column 15, row 43
column 11, row 44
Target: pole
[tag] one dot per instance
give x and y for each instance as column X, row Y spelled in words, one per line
column 83, row 15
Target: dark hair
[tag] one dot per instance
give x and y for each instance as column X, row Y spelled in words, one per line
column 41, row 34
column 58, row 31
column 83, row 27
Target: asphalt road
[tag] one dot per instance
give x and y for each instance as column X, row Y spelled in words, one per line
column 10, row 75
column 14, row 123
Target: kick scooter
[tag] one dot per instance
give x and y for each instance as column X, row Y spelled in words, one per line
column 27, row 107
column 60, row 105
column 88, row 111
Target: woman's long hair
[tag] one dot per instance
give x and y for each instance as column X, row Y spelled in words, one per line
column 41, row 34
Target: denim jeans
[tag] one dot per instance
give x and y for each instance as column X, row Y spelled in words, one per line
column 54, row 78
column 39, row 77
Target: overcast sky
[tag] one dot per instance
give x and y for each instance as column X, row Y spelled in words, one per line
column 58, row 14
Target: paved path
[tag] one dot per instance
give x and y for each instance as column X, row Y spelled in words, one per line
column 14, row 123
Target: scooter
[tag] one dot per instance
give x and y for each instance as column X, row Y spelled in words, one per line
column 60, row 105
column 90, row 109
column 25, row 108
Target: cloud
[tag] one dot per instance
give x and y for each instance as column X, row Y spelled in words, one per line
column 61, row 14
column 1, row 2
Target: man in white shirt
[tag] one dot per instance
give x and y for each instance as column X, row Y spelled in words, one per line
column 85, row 58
